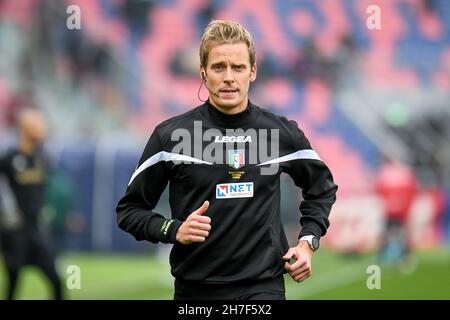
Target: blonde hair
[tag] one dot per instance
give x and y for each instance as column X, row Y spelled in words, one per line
column 220, row 32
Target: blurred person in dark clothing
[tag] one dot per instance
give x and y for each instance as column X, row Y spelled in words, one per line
column 135, row 14
column 24, row 169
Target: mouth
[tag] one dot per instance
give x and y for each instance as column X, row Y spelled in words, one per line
column 228, row 90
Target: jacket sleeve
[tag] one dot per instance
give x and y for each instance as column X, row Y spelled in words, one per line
column 134, row 210
column 315, row 179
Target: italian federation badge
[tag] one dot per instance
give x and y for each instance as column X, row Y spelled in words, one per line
column 236, row 158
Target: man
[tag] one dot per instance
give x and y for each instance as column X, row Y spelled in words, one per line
column 226, row 228
column 25, row 169
column 397, row 186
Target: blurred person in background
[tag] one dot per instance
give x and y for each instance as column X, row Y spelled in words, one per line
column 59, row 206
column 25, row 169
column 229, row 245
column 397, row 187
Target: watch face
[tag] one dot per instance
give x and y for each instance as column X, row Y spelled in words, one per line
column 315, row 243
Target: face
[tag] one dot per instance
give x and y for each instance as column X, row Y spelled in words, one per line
column 34, row 127
column 228, row 76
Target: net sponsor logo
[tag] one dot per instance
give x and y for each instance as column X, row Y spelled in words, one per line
column 234, row 190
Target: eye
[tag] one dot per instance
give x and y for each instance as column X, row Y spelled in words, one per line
column 239, row 68
column 217, row 67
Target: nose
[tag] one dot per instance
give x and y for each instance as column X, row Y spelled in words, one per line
column 229, row 77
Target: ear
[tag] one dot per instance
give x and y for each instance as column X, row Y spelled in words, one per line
column 203, row 73
column 253, row 73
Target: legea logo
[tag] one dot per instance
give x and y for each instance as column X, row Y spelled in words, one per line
column 232, row 139
column 234, row 190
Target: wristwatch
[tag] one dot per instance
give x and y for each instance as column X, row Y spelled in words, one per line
column 313, row 242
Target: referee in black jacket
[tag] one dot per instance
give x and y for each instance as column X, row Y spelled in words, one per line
column 223, row 161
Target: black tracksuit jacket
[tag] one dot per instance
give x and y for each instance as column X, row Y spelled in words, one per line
column 247, row 240
column 26, row 176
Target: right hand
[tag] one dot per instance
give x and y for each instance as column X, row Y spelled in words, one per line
column 196, row 227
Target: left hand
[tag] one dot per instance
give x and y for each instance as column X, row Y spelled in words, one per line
column 300, row 270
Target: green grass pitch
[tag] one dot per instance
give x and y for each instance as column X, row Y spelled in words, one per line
column 335, row 276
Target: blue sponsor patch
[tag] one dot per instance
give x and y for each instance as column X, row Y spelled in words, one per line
column 234, row 190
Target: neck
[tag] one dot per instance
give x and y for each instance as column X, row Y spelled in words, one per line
column 230, row 111
column 238, row 120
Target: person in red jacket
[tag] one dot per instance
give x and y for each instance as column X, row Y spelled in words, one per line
column 397, row 186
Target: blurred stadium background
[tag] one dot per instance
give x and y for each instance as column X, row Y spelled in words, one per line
column 357, row 93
